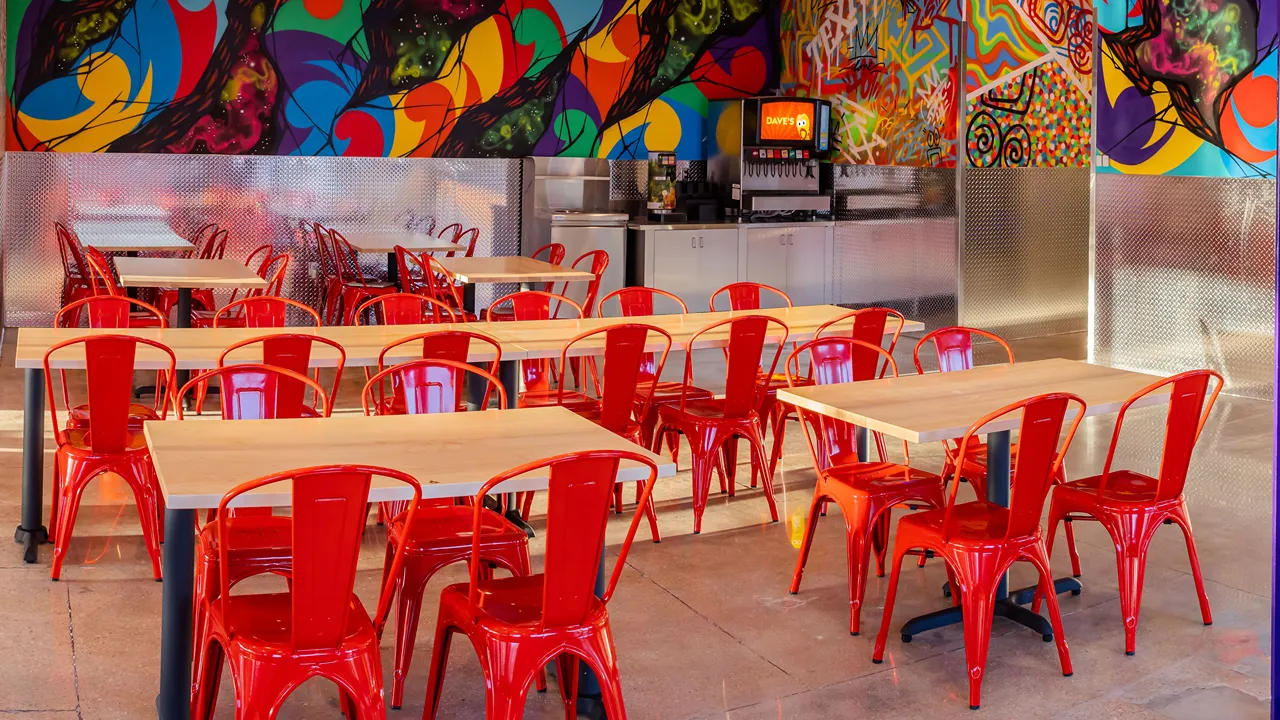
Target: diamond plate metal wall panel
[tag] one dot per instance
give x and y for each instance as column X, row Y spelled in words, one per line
column 259, row 200
column 1025, row 267
column 1184, row 277
column 629, row 180
column 895, row 240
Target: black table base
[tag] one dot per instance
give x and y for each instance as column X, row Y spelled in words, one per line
column 1008, row 607
column 32, row 532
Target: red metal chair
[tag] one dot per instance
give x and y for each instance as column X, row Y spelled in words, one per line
column 536, row 374
column 980, row 540
column 453, row 345
column 748, row 296
column 639, row 302
column 111, row 446
column 412, row 270
column 102, row 278
column 331, row 290
column 276, row 641
column 110, row 312
column 712, row 425
column 405, row 309
column 356, row 288
column 260, row 311
column 954, row 350
column 460, row 236
column 599, row 261
column 442, row 535
column 865, row 491
column 555, row 255
column 444, row 289
column 75, row 275
column 519, row 624
column 211, row 243
column 292, row 351
column 1132, row 506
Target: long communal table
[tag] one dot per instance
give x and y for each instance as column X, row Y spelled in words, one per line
column 942, row 406
column 198, row 462
column 199, row 349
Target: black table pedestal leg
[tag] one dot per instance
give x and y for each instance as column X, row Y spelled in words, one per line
column 183, row 321
column 393, row 270
column 509, row 374
column 174, row 700
column 590, row 704
column 32, row 532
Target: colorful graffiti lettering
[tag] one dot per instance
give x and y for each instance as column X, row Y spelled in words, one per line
column 1189, row 88
column 890, row 69
column 477, row 78
column 1028, row 83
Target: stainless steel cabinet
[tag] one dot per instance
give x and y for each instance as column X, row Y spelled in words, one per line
column 694, row 263
column 794, row 259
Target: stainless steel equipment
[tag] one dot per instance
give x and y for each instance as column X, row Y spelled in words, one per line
column 582, row 232
column 768, row 151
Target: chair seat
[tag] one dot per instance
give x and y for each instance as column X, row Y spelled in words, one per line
column 701, row 409
column 143, row 320
column 1123, row 487
column 379, row 287
column 975, row 523
column 877, row 477
column 440, row 526
column 510, row 601
column 633, row 431
column 265, row 622
column 774, row 382
column 575, row 401
column 250, row 535
column 78, row 439
column 78, row 417
column 669, row 392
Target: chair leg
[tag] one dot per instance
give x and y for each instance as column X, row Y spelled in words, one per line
column 1039, row 557
column 729, row 453
column 810, row 527
column 439, row 663
column 759, row 458
column 567, row 673
column 1069, row 527
column 650, row 512
column 208, row 675
column 703, row 454
column 886, row 619
column 412, row 583
column 1132, row 533
column 1055, row 516
column 978, row 603
column 860, row 524
column 1179, row 516
column 880, row 538
column 71, row 489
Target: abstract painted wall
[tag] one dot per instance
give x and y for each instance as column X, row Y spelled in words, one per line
column 890, row 68
column 456, row 78
column 1188, row 88
column 1028, row 83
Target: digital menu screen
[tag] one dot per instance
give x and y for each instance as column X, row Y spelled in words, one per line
column 786, row 120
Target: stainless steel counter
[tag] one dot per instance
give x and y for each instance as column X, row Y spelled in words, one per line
column 653, row 227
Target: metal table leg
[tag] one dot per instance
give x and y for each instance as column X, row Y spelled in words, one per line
column 32, row 532
column 590, row 703
column 393, row 270
column 174, row 700
column 183, row 321
column 1008, row 604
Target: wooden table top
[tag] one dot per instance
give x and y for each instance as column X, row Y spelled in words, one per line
column 131, row 236
column 199, row 348
column 942, row 406
column 516, row 269
column 546, row 338
column 386, row 242
column 186, row 273
column 452, row 455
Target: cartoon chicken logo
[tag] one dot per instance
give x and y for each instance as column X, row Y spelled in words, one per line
column 802, row 126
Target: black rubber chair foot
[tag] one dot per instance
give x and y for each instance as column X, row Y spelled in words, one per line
column 1047, row 638
column 877, row 662
column 1077, row 575
column 1208, row 623
column 657, row 542
column 159, row 580
column 55, row 579
column 543, row 690
column 853, row 633
column 697, row 532
column 397, row 707
column 1130, row 653
column 1068, row 674
column 975, row 707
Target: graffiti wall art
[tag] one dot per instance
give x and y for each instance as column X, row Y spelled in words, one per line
column 890, row 68
column 1188, row 88
column 474, row 78
column 1028, row 83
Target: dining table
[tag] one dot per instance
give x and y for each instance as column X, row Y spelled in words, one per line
column 130, row 236
column 385, row 241
column 942, row 406
column 525, row 271
column 452, row 455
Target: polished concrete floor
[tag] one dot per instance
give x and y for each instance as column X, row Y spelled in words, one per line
column 704, row 624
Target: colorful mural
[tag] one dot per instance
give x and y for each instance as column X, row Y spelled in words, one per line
column 477, row 78
column 1028, row 83
column 1188, row 88
column 890, row 69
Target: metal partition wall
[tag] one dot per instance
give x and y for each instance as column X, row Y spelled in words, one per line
column 259, row 200
column 1184, row 277
column 1025, row 250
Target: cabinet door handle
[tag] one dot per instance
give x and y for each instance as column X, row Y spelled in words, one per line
column 791, row 239
column 693, row 242
column 702, row 242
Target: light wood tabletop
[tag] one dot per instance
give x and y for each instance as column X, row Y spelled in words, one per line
column 516, row 269
column 452, row 455
column 545, row 338
column 942, row 406
column 386, row 242
column 137, row 235
column 186, row 273
column 199, row 348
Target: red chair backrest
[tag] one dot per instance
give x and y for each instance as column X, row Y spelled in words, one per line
column 639, row 302
column 469, row 236
column 834, row 360
column 429, row 386
column 1187, row 413
column 101, row 277
column 410, row 281
column 452, row 345
column 210, row 246
column 345, row 259
column 533, row 305
column 441, row 283
column 1039, row 457
column 292, row 351
column 748, row 335
column 625, row 353
column 73, row 264
column 747, row 295
column 954, row 347
column 105, row 311
column 264, row 311
column 109, row 367
column 554, row 254
column 329, row 512
column 324, row 247
column 255, row 391
column 578, row 494
column 599, row 262
column 868, row 326
column 405, row 309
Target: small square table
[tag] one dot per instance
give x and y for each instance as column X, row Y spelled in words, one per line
column 509, row 269
column 185, row 274
column 942, row 406
column 385, row 241
column 131, row 236
column 451, row 454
